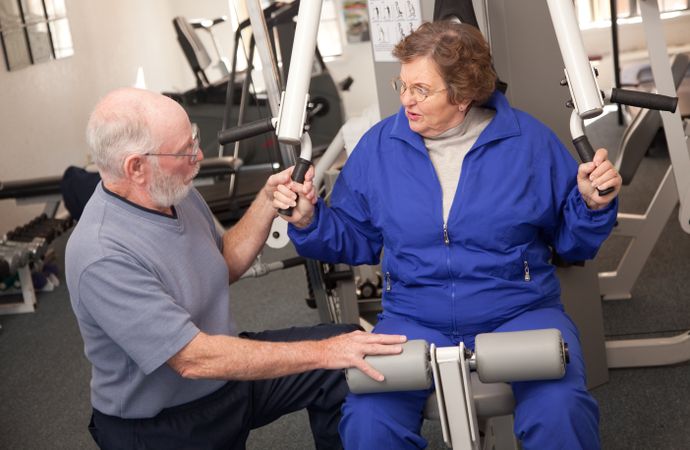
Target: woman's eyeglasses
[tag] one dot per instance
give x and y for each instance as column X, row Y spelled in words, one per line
column 419, row 93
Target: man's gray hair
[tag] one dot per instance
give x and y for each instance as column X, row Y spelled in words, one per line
column 112, row 136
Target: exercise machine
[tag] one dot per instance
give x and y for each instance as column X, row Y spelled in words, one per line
column 469, row 386
column 200, row 61
column 306, row 101
column 674, row 189
column 244, row 99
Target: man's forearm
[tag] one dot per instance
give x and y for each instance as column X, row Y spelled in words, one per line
column 232, row 358
column 225, row 357
column 242, row 242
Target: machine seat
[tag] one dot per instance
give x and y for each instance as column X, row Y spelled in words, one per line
column 490, row 400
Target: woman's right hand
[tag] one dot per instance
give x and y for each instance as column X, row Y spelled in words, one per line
column 299, row 196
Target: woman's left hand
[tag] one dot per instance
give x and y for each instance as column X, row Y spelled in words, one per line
column 598, row 174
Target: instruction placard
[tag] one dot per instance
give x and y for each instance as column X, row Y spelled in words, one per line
column 391, row 21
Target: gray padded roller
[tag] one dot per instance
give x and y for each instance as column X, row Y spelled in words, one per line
column 407, row 371
column 520, row 356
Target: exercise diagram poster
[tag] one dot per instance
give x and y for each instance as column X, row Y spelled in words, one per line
column 392, row 20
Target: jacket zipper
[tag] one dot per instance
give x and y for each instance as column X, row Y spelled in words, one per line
column 388, row 281
column 527, row 275
column 446, row 241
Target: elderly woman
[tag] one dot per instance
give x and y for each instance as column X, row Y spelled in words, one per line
column 468, row 197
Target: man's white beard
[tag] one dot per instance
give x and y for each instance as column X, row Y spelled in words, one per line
column 168, row 190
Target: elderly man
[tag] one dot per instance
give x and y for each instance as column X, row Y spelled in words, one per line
column 148, row 275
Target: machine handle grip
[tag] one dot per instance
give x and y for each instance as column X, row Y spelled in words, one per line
column 644, row 99
column 292, row 262
column 245, row 131
column 586, row 152
column 298, row 174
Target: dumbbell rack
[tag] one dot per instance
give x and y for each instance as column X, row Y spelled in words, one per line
column 25, row 248
column 28, row 303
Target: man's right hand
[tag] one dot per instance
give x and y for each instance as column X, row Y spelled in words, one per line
column 290, row 194
column 348, row 350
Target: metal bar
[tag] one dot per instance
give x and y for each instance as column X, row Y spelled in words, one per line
column 462, row 424
column 27, row 305
column 616, row 54
column 678, row 145
column 645, row 231
column 648, row 352
column 269, row 69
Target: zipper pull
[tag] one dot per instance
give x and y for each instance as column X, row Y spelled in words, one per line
column 446, row 239
column 388, row 281
column 527, row 275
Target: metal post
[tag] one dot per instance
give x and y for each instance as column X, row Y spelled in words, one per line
column 269, row 69
column 678, row 145
column 616, row 54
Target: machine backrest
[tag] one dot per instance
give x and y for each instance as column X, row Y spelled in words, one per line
column 639, row 134
column 193, row 49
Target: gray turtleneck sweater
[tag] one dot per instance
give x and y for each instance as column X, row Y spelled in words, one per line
column 448, row 149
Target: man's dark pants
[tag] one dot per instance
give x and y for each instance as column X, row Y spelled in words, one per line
column 223, row 419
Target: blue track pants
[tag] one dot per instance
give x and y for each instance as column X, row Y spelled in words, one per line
column 558, row 414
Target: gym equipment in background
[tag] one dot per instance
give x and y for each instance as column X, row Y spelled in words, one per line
column 587, row 100
column 675, row 187
column 291, row 119
column 244, row 101
column 199, row 60
column 645, row 125
column 24, row 251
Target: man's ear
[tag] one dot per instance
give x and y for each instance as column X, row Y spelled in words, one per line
column 135, row 169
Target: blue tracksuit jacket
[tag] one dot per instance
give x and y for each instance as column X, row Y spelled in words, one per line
column 517, row 196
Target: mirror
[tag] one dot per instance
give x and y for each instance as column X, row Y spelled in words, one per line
column 34, row 31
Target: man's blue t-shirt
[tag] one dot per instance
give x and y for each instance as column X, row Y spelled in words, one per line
column 142, row 285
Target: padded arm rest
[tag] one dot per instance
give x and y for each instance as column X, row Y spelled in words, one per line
column 35, row 187
column 216, row 167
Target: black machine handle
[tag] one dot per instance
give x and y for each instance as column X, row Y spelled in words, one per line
column 626, row 97
column 245, row 131
column 644, row 99
column 586, row 152
column 298, row 174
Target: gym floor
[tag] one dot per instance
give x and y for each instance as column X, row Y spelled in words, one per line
column 44, row 376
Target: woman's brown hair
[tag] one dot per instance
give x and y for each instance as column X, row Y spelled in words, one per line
column 461, row 55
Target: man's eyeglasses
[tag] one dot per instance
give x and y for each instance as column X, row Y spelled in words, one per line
column 419, row 93
column 196, row 140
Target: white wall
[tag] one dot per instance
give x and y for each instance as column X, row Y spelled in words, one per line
column 44, row 108
column 356, row 61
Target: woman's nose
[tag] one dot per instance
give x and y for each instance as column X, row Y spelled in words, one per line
column 407, row 99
